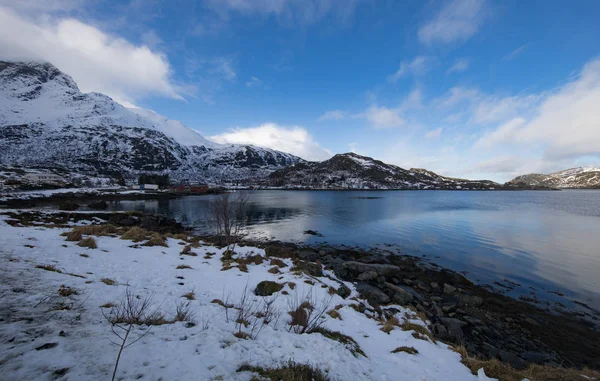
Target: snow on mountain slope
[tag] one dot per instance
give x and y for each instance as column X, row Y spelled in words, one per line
column 46, row 121
column 352, row 171
column 588, row 177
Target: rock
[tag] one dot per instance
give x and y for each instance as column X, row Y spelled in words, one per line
column 448, row 289
column 469, row 300
column 440, row 331
column 472, row 320
column 531, row 322
column 309, row 268
column 375, row 259
column 537, row 357
column 381, row 270
column 98, row 205
column 512, row 359
column 46, row 346
column 126, row 222
column 68, row 205
column 401, row 296
column 374, row 295
column 343, row 291
column 366, row 276
column 279, row 252
column 433, row 285
column 313, row 232
column 454, row 327
column 308, row 255
column 266, row 288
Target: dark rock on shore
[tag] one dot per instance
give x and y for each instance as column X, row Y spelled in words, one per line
column 98, row 205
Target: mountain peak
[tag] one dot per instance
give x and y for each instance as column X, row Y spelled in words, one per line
column 23, row 75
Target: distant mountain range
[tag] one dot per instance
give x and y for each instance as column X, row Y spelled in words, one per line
column 352, row 171
column 47, row 122
column 573, row 178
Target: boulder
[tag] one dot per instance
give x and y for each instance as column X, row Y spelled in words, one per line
column 344, row 291
column 366, row 276
column 469, row 300
column 98, row 205
column 400, row 295
column 266, row 288
column 374, row 295
column 309, row 268
column 308, row 255
column 381, row 270
column 448, row 289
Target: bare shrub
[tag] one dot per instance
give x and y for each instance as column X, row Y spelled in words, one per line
column 124, row 317
column 307, row 314
column 254, row 314
column 228, row 216
column 183, row 312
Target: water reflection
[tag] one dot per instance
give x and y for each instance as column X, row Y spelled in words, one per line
column 545, row 240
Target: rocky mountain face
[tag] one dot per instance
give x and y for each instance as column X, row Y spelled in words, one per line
column 45, row 121
column 582, row 178
column 352, row 171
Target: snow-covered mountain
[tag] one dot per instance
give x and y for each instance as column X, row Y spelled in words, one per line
column 588, row 177
column 46, row 121
column 352, row 171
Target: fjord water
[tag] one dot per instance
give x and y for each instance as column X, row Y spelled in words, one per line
column 546, row 242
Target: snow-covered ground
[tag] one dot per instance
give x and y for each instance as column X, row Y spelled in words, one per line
column 31, row 315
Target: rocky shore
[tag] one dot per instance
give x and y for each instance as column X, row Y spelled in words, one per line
column 487, row 324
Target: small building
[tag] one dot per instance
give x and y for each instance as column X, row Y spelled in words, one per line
column 148, row 187
column 43, row 177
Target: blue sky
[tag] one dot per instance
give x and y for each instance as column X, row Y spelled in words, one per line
column 470, row 88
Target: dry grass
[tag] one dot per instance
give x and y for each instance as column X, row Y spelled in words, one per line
column 242, row 335
column 156, row 240
column 390, row 324
column 291, row 285
column 274, row 270
column 189, row 295
column 108, row 305
column 135, row 234
column 67, row 291
column 180, row 236
column 334, row 314
column 183, row 267
column 290, row 371
column 88, row 242
column 409, row 350
column 84, row 255
column 74, row 235
column 49, row 268
column 421, row 331
column 108, row 281
column 277, row 262
column 187, row 250
column 504, row 372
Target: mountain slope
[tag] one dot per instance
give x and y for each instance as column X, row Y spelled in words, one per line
column 352, row 171
column 46, row 121
column 571, row 178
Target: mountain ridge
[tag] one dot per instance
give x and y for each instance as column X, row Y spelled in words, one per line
column 572, row 178
column 45, row 120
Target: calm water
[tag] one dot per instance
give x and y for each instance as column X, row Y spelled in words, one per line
column 544, row 241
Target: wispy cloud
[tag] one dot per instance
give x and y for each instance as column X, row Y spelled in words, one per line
column 333, row 115
column 254, row 82
column 382, row 117
column 461, row 64
column 418, row 66
column 516, row 52
column 434, row 134
column 456, row 21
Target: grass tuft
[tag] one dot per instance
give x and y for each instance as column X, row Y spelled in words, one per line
column 88, row 242
column 67, row 291
column 189, row 295
column 108, row 281
column 74, row 235
column 409, row 350
column 84, row 255
column 348, row 341
column 108, row 305
column 156, row 240
column 49, row 268
column 421, row 331
column 182, row 267
column 135, row 234
column 289, row 371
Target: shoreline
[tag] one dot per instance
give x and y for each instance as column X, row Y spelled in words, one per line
column 488, row 324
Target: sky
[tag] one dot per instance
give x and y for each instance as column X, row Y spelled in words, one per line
column 478, row 89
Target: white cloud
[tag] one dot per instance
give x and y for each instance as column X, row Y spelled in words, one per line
column 293, row 139
column 456, row 21
column 564, row 123
column 516, row 52
column 457, row 95
column 287, row 12
column 459, row 66
column 254, row 81
column 223, row 67
column 434, row 134
column 333, row 115
column 493, row 109
column 382, row 117
column 97, row 61
column 418, row 66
